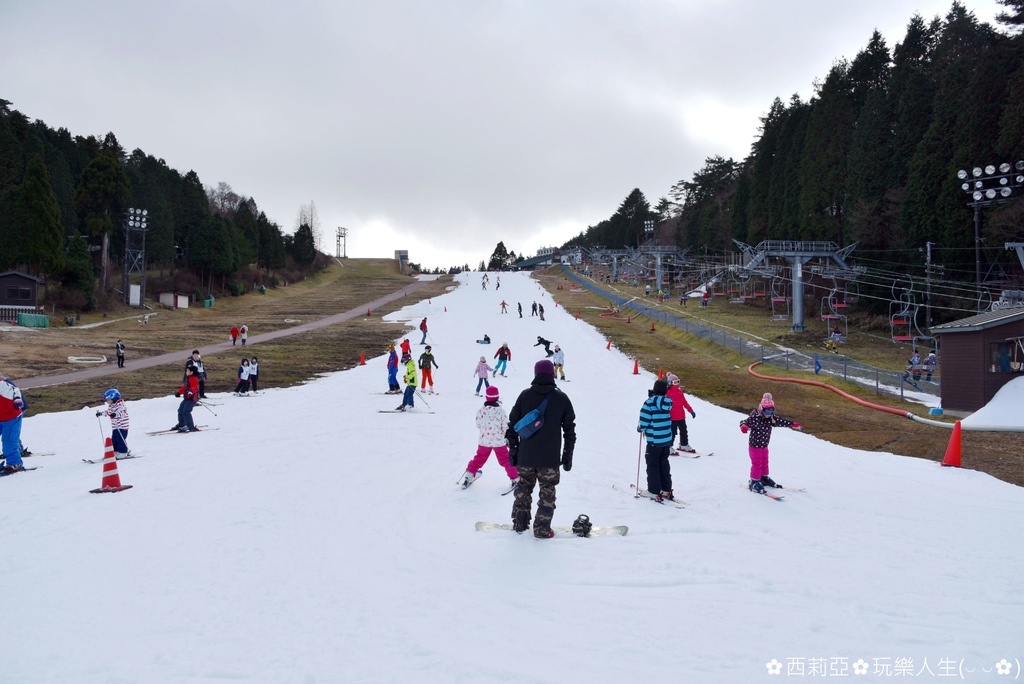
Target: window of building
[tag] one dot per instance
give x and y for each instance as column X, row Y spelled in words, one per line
column 1007, row 356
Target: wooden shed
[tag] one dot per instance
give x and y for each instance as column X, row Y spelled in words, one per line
column 980, row 354
column 19, row 293
column 174, row 300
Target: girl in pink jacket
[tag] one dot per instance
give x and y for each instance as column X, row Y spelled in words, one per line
column 678, row 414
column 482, row 369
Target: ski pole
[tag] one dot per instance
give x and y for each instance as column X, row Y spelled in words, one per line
column 103, row 435
column 420, row 394
column 207, row 408
column 639, row 448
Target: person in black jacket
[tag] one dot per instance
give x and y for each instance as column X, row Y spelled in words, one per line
column 538, row 457
column 546, row 344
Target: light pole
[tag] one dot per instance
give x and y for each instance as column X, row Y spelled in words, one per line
column 985, row 187
column 135, row 222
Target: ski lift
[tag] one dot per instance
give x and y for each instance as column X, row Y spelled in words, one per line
column 1017, row 360
column 781, row 299
column 902, row 312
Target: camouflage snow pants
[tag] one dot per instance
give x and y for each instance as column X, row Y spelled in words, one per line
column 528, row 477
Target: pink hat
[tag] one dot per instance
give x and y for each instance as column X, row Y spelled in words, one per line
column 491, row 393
column 767, row 402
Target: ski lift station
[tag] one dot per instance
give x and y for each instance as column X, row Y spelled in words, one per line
column 980, row 354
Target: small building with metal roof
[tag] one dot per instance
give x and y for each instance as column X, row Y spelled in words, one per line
column 980, row 354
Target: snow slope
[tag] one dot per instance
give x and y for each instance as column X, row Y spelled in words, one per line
column 312, row 539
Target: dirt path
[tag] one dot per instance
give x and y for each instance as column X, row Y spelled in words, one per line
column 176, row 356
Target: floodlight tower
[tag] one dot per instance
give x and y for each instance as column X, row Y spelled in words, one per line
column 340, row 246
column 135, row 221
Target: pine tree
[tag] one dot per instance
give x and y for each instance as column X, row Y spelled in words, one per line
column 44, row 233
column 101, row 195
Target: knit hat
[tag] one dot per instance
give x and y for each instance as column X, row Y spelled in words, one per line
column 660, row 387
column 767, row 402
column 673, row 379
column 492, row 393
column 544, row 367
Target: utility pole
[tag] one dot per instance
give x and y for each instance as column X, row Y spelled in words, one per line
column 928, row 287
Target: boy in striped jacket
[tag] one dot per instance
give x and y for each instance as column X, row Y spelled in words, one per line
column 118, row 414
column 656, row 424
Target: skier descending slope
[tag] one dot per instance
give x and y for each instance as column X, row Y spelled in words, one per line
column 759, row 424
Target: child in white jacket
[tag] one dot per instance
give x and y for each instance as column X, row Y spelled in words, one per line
column 492, row 422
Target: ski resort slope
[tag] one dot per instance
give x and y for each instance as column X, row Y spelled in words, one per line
column 310, row 538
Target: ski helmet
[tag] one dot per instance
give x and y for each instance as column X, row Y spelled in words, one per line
column 111, row 395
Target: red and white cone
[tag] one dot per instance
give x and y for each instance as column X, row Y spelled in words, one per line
column 111, row 480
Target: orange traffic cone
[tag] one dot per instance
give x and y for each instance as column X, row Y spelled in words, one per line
column 953, row 450
column 609, row 345
column 367, row 312
column 111, row 480
column 446, row 308
column 652, row 326
column 661, row 373
column 362, row 359
column 629, row 319
column 636, row 367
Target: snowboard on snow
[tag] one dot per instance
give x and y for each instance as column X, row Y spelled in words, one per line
column 560, row 530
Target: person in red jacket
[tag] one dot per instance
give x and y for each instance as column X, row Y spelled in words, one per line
column 234, row 335
column 12, row 406
column 189, row 393
column 678, row 414
column 759, row 424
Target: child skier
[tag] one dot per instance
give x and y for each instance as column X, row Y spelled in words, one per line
column 426, row 361
column 254, row 374
column 118, row 414
column 243, row 378
column 393, row 387
column 656, row 424
column 759, row 424
column 679, row 408
column 189, row 393
column 504, row 355
column 482, row 369
column 492, row 423
column 410, row 383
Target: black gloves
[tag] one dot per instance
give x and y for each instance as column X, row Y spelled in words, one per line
column 99, row 413
column 567, row 460
column 177, row 394
column 513, row 455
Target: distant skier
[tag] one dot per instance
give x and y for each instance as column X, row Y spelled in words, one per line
column 759, row 424
column 482, row 369
column 656, row 424
column 423, row 329
column 254, row 374
column 118, row 414
column 540, row 310
column 393, row 386
column 196, row 362
column 426, row 361
column 931, row 363
column 504, row 306
column 520, row 306
column 679, row 408
column 242, row 388
column 492, row 424
column 504, row 355
column 410, row 383
column 189, row 393
column 533, row 310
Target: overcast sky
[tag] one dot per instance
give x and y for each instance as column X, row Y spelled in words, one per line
column 441, row 126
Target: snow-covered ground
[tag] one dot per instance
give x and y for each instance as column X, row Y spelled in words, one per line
column 310, row 538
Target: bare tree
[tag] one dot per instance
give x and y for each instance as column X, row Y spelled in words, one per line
column 223, row 200
column 308, row 216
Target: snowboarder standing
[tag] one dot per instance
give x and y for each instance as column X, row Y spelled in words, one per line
column 558, row 359
column 538, row 456
column 119, row 349
column 520, row 305
column 12, row 406
column 678, row 414
column 504, row 355
column 540, row 310
column 759, row 424
column 243, row 378
column 656, row 425
column 426, row 361
column 118, row 414
column 482, row 369
column 410, row 383
column 393, row 386
column 533, row 311
column 492, row 424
